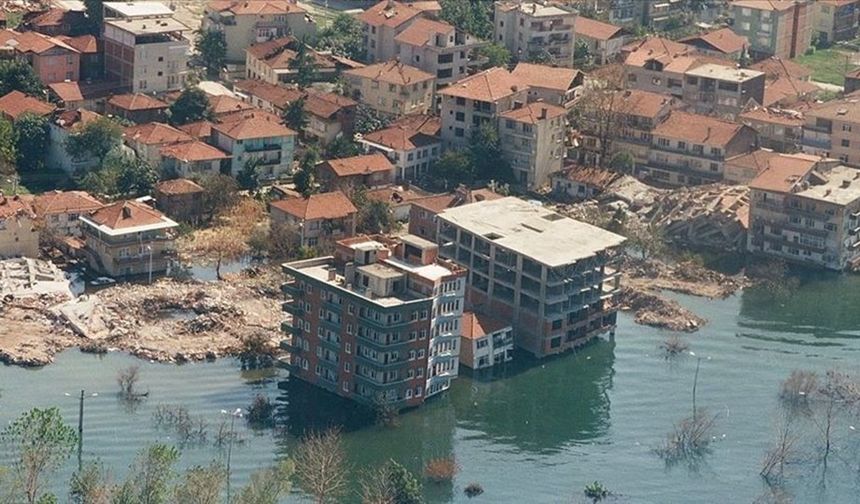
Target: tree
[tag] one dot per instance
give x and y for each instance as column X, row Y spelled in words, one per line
column 37, row 443
column 367, row 119
column 149, row 477
column 212, row 46
column 305, row 66
column 91, row 485
column 201, row 485
column 95, row 139
column 472, row 16
column 497, row 55
column 343, row 37
column 220, row 192
column 192, row 105
column 31, row 141
column 95, row 15
column 539, row 56
column 304, row 179
column 485, row 151
column 581, row 54
column 248, row 178
column 454, row 168
column 390, row 484
column 295, row 116
column 216, row 246
column 135, row 176
column 321, row 467
column 17, row 75
column 8, row 149
column 342, row 147
column 602, row 110
column 268, row 485
column 374, row 216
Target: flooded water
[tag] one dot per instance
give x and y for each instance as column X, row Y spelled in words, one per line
column 535, row 432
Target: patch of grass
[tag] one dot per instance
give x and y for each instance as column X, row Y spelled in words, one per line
column 827, row 65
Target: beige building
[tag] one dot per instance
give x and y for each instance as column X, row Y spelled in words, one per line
column 658, row 65
column 380, row 25
column 778, row 129
column 485, row 341
column 392, row 88
column 249, row 22
column 721, row 90
column 832, row 129
column 412, row 144
column 19, row 234
column 318, row 219
column 476, row 100
column 553, row 85
column 780, row 28
column 436, row 48
column 60, row 211
column 272, row 61
column 603, row 40
column 690, row 149
column 745, row 168
column 835, row 20
column 147, row 140
column 192, row 159
column 128, row 238
column 531, row 29
column 532, row 141
column 806, row 213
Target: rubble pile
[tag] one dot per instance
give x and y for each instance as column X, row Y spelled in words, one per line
column 656, row 311
column 686, row 277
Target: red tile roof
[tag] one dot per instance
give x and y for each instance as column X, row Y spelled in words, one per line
column 360, row 165
column 15, row 103
column 697, row 128
column 255, row 126
column 332, row 205
column 73, row 119
column 478, row 325
column 178, row 186
column 388, row 13
column 765, row 5
column 783, row 175
column 199, row 129
column 658, row 48
column 391, row 72
column 776, row 67
column 590, row 175
column 255, row 7
column 31, row 41
column 67, row 91
column 262, row 50
column 155, row 133
column 775, row 116
column 126, row 214
column 326, row 105
column 423, row 32
column 59, row 202
column 224, row 104
column 490, row 85
column 13, row 206
column 642, row 103
column 407, row 134
column 532, row 113
column 595, row 29
column 723, row 40
column 278, row 96
column 560, row 79
column 785, row 90
column 136, row 101
column 51, row 17
column 85, row 44
column 193, row 151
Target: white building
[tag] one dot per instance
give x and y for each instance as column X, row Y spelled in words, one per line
column 530, row 29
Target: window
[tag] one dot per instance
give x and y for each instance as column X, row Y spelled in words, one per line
column 663, row 142
column 421, row 353
column 347, row 347
column 483, row 343
column 459, row 132
column 714, row 167
column 682, row 145
column 419, row 391
column 412, row 355
column 460, row 117
column 345, row 386
column 408, row 393
column 845, row 142
column 846, row 127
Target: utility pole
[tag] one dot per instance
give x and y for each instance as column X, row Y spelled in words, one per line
column 233, row 415
column 80, row 431
column 150, row 261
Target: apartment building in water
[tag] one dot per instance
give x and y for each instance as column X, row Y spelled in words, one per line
column 553, row 278
column 379, row 321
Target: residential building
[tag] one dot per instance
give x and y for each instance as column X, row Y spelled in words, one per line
column 691, row 149
column 192, row 159
column 244, row 22
column 272, row 61
column 91, row 95
column 532, row 139
column 225, row 106
column 721, row 90
column 137, row 107
column 318, row 219
column 780, row 28
column 485, row 341
column 392, row 88
column 477, row 100
column 743, row 169
column 832, row 129
column 721, row 42
column 399, row 199
column 579, row 183
column 54, row 21
column 269, row 97
column 252, row 136
column 64, row 125
column 554, row 85
column 89, row 47
column 835, row 20
column 778, row 129
column 659, row 65
column 852, row 81
column 377, row 322
column 531, row 29
column 777, row 68
column 624, row 12
column 346, row 174
column 180, row 199
column 660, row 14
column 144, row 46
column 553, row 277
column 147, row 140
column 19, row 234
column 59, row 211
column 603, row 40
column 15, row 103
column 437, row 48
column 330, row 116
column 412, row 144
column 380, row 25
column 52, row 59
column 806, row 213
column 128, row 238
column 423, row 213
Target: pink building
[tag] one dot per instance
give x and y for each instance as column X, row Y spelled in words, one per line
column 52, row 59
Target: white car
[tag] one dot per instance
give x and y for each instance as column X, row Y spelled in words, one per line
column 102, row 281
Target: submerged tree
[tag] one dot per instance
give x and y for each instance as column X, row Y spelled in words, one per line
column 321, row 467
column 150, row 477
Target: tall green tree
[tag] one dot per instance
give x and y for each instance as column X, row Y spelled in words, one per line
column 374, row 216
column 342, row 147
column 17, row 75
column 212, row 46
column 305, row 177
column 485, row 151
column 37, row 443
column 367, row 119
column 96, row 138
column 472, row 16
column 248, row 177
column 454, row 168
column 305, row 65
column 8, row 148
column 295, row 115
column 91, row 485
column 343, row 37
column 150, row 477
column 497, row 55
column 390, row 484
column 95, row 15
column 192, row 105
column 31, row 141
column 135, row 176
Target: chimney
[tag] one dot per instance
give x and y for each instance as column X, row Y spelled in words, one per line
column 126, row 212
column 332, row 274
column 543, row 112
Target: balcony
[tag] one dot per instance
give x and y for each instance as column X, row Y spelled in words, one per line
column 816, row 142
column 289, row 328
column 262, row 147
column 288, row 345
column 293, row 308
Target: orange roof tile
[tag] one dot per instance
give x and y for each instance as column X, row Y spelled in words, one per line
column 438, row 203
column 255, row 126
column 591, row 175
column 642, row 103
column 51, row 17
column 155, row 133
column 360, row 165
column 774, row 116
column 136, row 101
column 396, row 194
column 193, row 151
column 388, row 13
column 543, row 76
column 15, row 103
column 278, row 96
column 332, row 205
column 478, row 325
column 776, row 67
column 73, row 119
column 765, row 5
column 126, row 214
column 595, row 29
column 405, row 135
column 224, row 104
column 326, row 105
column 255, row 7
column 178, row 186
column 697, row 128
column 262, row 50
column 31, row 41
column 67, row 91
column 199, row 129
column 782, row 176
column 85, row 44
column 392, row 72
column 59, row 202
column 654, row 48
column 532, row 113
column 423, row 32
column 13, row 206
column 490, row 86
column 723, row 40
column 787, row 89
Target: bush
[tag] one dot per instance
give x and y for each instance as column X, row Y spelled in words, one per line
column 261, row 413
column 596, row 491
column 689, row 440
column 798, row 387
column 473, row 490
column 441, row 470
column 674, row 345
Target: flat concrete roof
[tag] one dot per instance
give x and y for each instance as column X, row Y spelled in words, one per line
column 139, row 9
column 380, row 271
column 842, row 187
column 532, row 230
column 148, row 26
column 416, row 241
column 724, row 73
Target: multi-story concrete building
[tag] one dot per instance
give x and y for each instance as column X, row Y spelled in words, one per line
column 272, row 61
column 147, row 140
column 192, row 159
column 319, row 219
column 532, row 138
column 52, row 59
column 555, row 85
column 64, row 125
column 722, row 90
column 245, row 22
column 691, row 149
column 350, row 173
column 436, row 48
column 412, row 144
column 378, row 322
column 137, row 107
column 392, row 88
column 423, row 212
column 552, row 277
column 807, row 213
column 128, row 238
column 743, row 169
column 476, row 100
column 603, row 40
column 835, row 20
column 245, row 137
column 60, row 211
column 486, row 341
column 380, row 25
column 778, row 129
column 529, row 29
column 780, row 28
column 661, row 13
column 19, row 233
column 658, row 65
column 180, row 199
column 145, row 49
column 625, row 12
column 832, row 129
